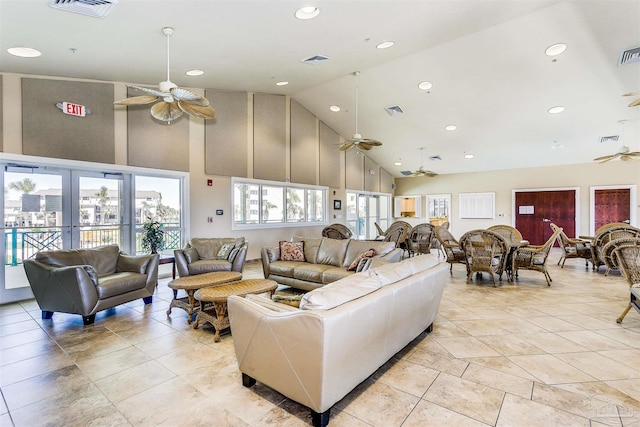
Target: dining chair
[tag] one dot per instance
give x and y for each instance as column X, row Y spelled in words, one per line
column 628, row 256
column 573, row 248
column 485, row 251
column 534, row 257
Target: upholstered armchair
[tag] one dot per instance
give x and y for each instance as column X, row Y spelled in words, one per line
column 205, row 255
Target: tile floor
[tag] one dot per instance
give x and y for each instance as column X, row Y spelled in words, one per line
column 521, row 354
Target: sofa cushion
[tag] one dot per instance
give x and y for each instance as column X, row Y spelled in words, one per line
column 134, row 264
column 291, row 251
column 310, row 272
column 368, row 254
column 311, row 246
column 333, row 274
column 284, row 268
column 120, row 283
column 356, row 247
column 104, row 258
column 209, row 265
column 332, row 251
column 191, row 255
column 337, row 293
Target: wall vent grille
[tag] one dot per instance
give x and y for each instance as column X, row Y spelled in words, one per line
column 629, row 56
column 315, row 59
column 608, row 139
column 95, row 8
column 394, row 110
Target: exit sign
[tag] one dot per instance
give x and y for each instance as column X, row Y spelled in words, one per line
column 73, row 109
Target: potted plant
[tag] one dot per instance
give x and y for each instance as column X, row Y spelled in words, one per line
column 152, row 236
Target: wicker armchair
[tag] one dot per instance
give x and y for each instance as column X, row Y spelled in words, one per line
column 628, row 256
column 451, row 247
column 511, row 234
column 573, row 248
column 534, row 257
column 419, row 241
column 337, row 231
column 609, row 254
column 606, row 234
column 398, row 232
column 485, row 251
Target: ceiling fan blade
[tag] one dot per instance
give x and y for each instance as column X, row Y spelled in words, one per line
column 346, row 146
column 604, row 159
column 186, row 95
column 635, row 103
column 632, row 94
column 371, row 142
column 626, row 157
column 200, row 111
column 151, row 91
column 137, row 100
column 363, row 146
column 634, row 153
column 166, row 111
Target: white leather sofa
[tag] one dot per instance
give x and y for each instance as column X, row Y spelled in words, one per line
column 340, row 335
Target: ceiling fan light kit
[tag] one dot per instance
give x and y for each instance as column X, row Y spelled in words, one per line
column 173, row 100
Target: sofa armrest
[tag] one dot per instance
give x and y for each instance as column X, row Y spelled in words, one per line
column 181, row 262
column 238, row 261
column 393, row 256
column 271, row 305
column 70, row 289
column 268, row 256
column 152, row 272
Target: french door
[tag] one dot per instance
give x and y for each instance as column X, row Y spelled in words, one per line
column 535, row 210
column 612, row 204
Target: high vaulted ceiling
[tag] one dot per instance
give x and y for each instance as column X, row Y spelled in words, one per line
column 486, row 60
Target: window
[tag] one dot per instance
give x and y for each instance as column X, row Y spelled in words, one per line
column 364, row 210
column 279, row 204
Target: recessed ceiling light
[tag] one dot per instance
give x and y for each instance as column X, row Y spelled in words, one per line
column 450, row 127
column 468, row 156
column 556, row 49
column 557, row 146
column 425, row 86
column 194, row 73
column 283, row 83
column 385, row 45
column 24, row 52
column 398, row 163
column 308, row 12
column 334, row 108
column 557, row 109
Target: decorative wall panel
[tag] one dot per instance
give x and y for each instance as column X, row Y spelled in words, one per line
column 48, row 132
column 155, row 144
column 226, row 136
column 354, row 171
column 304, row 145
column 269, row 137
column 386, row 181
column 329, row 157
column 371, row 175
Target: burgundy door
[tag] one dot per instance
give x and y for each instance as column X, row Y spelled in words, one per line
column 535, row 210
column 611, row 205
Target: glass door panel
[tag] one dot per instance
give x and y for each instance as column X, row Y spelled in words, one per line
column 33, row 218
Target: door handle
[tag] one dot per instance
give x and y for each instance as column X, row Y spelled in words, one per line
column 627, row 221
column 546, row 220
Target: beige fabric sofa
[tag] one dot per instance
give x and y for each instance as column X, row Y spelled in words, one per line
column 326, row 260
column 200, row 255
column 342, row 333
column 85, row 281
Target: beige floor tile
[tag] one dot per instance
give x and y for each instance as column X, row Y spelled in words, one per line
column 593, row 340
column 551, row 342
column 517, row 411
column 464, row 347
column 628, row 337
column 599, row 366
column 499, row 380
column 629, row 387
column 465, row 397
column 406, row 376
column 549, row 369
column 107, row 364
column 588, row 322
column 437, row 361
column 378, row 404
column 129, row 382
column 510, row 345
column 444, row 328
column 566, row 400
column 32, row 367
column 21, row 338
column 427, row 414
column 554, row 324
column 189, row 357
column 503, row 365
column 27, row 351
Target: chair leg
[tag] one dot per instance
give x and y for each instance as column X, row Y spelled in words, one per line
column 624, row 313
column 47, row 314
column 320, row 419
column 88, row 320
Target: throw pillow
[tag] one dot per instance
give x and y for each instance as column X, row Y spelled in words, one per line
column 191, row 255
column 292, row 300
column 368, row 254
column 225, row 251
column 233, row 254
column 291, row 251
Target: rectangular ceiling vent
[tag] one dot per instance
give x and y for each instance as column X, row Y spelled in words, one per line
column 607, row 139
column 629, row 56
column 394, row 110
column 95, row 8
column 315, row 59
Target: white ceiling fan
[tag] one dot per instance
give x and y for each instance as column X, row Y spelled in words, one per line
column 624, row 154
column 421, row 171
column 357, row 140
column 174, row 100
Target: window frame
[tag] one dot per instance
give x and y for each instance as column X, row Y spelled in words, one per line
column 285, row 223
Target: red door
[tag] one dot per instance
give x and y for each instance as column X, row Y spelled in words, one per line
column 535, row 210
column 611, row 205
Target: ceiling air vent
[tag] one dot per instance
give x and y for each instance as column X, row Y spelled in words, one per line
column 629, row 56
column 95, row 8
column 436, row 157
column 607, row 139
column 315, row 59
column 394, row 110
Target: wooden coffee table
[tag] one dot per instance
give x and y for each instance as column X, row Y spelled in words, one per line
column 190, row 284
column 213, row 301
